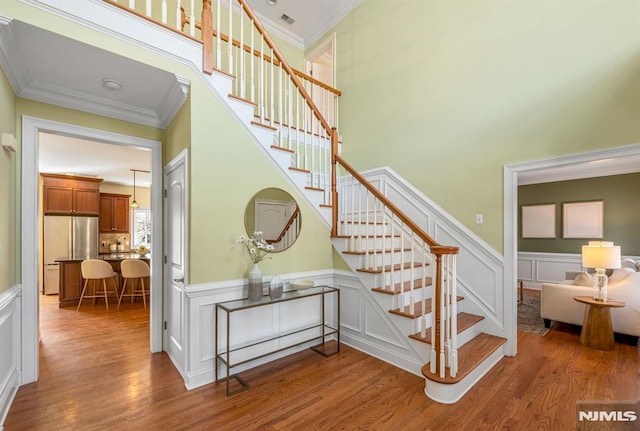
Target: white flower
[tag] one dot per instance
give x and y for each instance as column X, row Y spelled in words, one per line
column 257, row 247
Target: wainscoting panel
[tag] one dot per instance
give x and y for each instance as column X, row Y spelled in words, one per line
column 480, row 267
column 537, row 268
column 247, row 326
column 10, row 348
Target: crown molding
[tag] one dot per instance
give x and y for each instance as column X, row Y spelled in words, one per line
column 347, row 7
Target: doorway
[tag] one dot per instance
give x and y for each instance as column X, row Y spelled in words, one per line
column 31, row 130
column 320, row 64
column 592, row 163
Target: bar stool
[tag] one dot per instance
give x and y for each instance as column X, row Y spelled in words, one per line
column 136, row 271
column 95, row 270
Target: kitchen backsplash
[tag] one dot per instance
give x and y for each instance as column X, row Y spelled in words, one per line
column 107, row 239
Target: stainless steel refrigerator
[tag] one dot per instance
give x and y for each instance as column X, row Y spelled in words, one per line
column 67, row 237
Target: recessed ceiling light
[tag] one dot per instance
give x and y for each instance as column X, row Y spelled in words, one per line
column 272, row 2
column 111, row 84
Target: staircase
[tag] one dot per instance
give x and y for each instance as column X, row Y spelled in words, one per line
column 406, row 273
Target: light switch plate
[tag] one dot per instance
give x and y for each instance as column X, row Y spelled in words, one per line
column 479, row 218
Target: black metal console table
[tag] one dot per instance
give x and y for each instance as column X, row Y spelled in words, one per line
column 322, row 330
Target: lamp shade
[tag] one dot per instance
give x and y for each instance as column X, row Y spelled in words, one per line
column 601, row 256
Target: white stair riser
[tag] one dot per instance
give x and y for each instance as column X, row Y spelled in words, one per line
column 358, row 243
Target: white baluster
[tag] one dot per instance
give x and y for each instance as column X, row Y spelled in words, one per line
column 393, row 246
column 280, row 99
column 241, row 54
column 230, row 43
column 192, row 19
column 252, row 62
column 272, row 94
column 443, row 323
column 164, row 11
column 261, row 89
column 297, row 127
column 411, row 279
column 178, row 16
column 402, row 257
column 132, row 4
column 454, row 311
column 148, row 8
column 383, row 247
column 218, row 37
column 366, row 232
column 423, row 327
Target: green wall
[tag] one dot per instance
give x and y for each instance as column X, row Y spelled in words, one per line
column 8, row 209
column 621, row 211
column 227, row 167
column 448, row 92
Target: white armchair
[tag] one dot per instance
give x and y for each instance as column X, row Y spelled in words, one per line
column 557, row 303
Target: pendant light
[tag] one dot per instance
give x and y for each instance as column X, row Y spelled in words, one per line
column 134, row 204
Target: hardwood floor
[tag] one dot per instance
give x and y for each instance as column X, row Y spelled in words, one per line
column 96, row 373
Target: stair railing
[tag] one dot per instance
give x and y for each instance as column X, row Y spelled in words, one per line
column 405, row 257
column 235, row 43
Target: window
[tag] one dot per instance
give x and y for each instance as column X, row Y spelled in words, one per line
column 141, row 227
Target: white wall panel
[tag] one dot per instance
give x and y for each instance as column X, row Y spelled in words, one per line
column 9, row 348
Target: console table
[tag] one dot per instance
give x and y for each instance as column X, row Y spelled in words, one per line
column 597, row 330
column 232, row 357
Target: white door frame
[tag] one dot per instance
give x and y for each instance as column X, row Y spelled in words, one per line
column 510, row 216
column 31, row 127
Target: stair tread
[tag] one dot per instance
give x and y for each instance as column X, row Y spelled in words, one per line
column 362, row 222
column 267, row 126
column 293, row 168
column 242, row 99
column 387, row 268
column 470, row 356
column 315, row 189
column 279, row 148
column 417, row 284
column 465, row 321
column 379, row 251
column 417, row 309
column 370, row 236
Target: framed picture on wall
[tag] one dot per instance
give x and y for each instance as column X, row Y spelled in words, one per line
column 539, row 221
column 583, row 220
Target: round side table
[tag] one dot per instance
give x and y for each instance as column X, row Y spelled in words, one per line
column 597, row 330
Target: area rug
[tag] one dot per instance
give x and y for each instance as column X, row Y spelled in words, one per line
column 529, row 319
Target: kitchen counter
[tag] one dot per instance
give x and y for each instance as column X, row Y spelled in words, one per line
column 71, row 281
column 108, row 257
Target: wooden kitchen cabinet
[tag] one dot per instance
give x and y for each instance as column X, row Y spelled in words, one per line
column 67, row 195
column 114, row 213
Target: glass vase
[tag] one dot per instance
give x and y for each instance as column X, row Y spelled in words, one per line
column 255, row 283
column 275, row 287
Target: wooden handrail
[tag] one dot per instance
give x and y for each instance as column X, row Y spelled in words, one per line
column 433, row 245
column 265, row 57
column 153, row 20
column 286, row 66
column 286, row 227
column 224, row 37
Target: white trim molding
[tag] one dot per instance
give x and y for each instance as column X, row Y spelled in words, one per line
column 31, row 127
column 10, row 351
column 510, row 208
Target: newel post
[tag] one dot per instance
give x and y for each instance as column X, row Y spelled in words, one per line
column 207, row 37
column 334, row 180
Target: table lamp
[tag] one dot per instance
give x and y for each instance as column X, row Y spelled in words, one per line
column 600, row 255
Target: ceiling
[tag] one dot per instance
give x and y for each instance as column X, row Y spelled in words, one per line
column 312, row 18
column 112, row 163
column 36, row 63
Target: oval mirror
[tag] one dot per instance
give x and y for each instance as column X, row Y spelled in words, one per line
column 275, row 213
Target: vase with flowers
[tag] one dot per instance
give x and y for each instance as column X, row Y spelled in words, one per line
column 258, row 250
